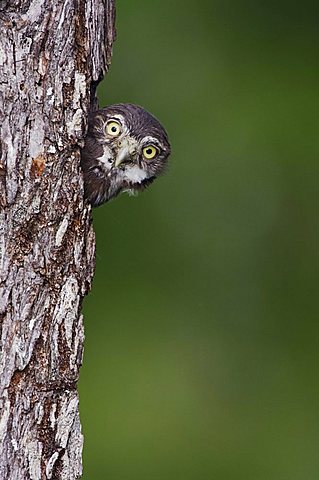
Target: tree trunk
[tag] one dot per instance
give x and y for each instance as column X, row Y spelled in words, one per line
column 52, row 56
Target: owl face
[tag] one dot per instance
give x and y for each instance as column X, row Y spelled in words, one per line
column 125, row 150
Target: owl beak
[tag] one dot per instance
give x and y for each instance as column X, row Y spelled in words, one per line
column 126, row 152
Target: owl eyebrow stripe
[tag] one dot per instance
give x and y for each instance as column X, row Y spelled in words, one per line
column 117, row 118
column 151, row 141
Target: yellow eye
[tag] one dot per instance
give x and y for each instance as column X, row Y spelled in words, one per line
column 113, row 128
column 149, row 152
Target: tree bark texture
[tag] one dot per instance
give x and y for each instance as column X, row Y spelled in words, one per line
column 52, row 56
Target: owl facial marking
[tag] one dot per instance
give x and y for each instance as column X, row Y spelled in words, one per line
column 126, row 148
column 107, row 158
column 135, row 174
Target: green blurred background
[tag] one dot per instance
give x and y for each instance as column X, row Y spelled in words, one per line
column 201, row 353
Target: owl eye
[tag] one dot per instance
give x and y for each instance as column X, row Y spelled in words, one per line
column 149, row 152
column 113, row 128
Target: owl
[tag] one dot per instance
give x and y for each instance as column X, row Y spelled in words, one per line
column 126, row 148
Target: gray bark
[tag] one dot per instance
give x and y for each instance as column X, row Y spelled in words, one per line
column 52, row 55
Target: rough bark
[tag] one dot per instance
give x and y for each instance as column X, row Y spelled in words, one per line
column 52, row 55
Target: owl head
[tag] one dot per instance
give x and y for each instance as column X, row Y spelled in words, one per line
column 126, row 148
